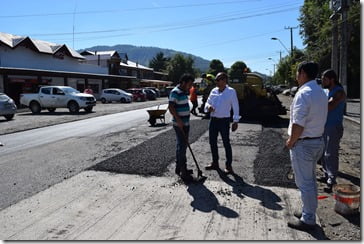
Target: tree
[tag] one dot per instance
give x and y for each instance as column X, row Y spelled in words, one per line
column 237, row 69
column 179, row 65
column 216, row 66
column 159, row 62
column 287, row 67
column 316, row 32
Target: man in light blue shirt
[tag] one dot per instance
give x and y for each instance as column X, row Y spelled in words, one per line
column 219, row 103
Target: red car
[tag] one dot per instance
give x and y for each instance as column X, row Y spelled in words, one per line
column 138, row 94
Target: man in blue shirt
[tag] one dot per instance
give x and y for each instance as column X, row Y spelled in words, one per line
column 334, row 126
column 180, row 110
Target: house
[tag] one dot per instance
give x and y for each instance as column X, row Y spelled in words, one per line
column 119, row 64
column 26, row 64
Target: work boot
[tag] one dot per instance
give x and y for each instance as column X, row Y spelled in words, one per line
column 186, row 177
column 212, row 166
column 178, row 171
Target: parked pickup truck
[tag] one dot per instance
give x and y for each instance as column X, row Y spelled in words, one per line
column 52, row 97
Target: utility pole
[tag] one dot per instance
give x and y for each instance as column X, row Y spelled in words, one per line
column 291, row 28
column 344, row 46
column 335, row 43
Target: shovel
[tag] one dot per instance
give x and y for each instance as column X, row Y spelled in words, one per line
column 200, row 177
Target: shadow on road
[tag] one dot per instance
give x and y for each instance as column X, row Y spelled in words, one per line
column 205, row 201
column 267, row 198
column 57, row 113
column 352, row 179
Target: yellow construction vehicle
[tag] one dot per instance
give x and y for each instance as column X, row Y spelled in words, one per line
column 254, row 98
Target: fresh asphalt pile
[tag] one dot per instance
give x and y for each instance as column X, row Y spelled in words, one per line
column 272, row 167
column 151, row 157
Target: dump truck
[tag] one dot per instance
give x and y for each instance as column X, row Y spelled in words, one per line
column 255, row 99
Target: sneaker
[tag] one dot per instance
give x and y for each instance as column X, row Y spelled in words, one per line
column 297, row 214
column 229, row 170
column 300, row 225
column 212, row 166
column 1, row 144
column 331, row 181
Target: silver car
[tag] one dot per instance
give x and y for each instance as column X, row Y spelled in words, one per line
column 115, row 94
column 7, row 106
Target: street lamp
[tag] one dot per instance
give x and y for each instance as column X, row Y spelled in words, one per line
column 277, row 39
column 274, row 65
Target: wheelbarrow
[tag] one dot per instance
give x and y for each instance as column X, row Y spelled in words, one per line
column 155, row 114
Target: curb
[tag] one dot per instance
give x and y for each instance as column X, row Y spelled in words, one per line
column 352, row 120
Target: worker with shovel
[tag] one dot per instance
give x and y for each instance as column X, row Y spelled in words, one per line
column 180, row 110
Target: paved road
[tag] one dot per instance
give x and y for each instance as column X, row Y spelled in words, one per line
column 93, row 126
column 34, row 160
column 96, row 205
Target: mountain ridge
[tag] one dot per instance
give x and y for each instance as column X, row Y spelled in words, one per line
column 143, row 54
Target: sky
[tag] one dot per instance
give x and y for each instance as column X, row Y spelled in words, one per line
column 228, row 30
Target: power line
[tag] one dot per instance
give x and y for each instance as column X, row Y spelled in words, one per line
column 182, row 25
column 126, row 10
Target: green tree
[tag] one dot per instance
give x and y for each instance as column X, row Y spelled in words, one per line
column 316, row 27
column 159, row 62
column 236, row 70
column 287, row 67
column 178, row 65
column 216, row 66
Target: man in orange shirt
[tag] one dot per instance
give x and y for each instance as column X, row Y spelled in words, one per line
column 193, row 99
column 88, row 90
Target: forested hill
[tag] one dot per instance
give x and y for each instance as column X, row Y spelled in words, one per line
column 143, row 55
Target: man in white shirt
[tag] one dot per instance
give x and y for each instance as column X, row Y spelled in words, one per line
column 219, row 103
column 307, row 122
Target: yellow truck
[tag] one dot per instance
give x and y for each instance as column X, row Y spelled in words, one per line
column 254, row 98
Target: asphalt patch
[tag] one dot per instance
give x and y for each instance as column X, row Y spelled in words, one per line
column 272, row 167
column 151, row 157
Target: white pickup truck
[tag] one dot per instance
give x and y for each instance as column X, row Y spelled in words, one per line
column 52, row 97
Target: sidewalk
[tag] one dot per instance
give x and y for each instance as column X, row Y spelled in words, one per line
column 105, row 206
column 353, row 110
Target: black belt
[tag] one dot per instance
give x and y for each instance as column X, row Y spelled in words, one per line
column 216, row 118
column 310, row 138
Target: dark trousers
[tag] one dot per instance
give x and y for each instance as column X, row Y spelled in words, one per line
column 181, row 146
column 223, row 126
column 194, row 106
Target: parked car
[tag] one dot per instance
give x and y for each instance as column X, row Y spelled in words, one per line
column 156, row 90
column 7, row 106
column 166, row 90
column 151, row 95
column 138, row 94
column 280, row 88
column 115, row 94
column 52, row 97
column 286, row 92
column 293, row 91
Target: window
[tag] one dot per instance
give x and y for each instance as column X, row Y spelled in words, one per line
column 46, row 90
column 57, row 91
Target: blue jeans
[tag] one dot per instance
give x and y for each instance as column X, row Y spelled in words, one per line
column 181, row 146
column 330, row 158
column 304, row 156
column 223, row 126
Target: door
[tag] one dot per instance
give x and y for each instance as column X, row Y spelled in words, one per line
column 46, row 97
column 59, row 98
